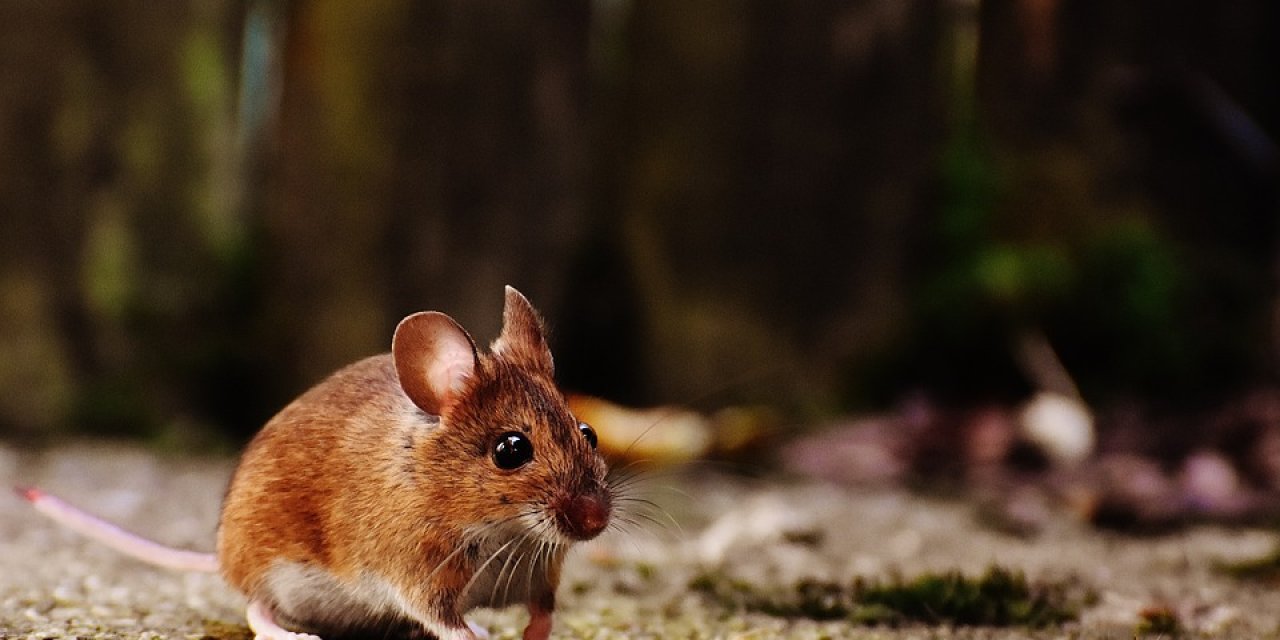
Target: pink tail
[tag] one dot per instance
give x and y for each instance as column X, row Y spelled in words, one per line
column 115, row 537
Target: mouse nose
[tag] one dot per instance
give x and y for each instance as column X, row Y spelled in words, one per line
column 583, row 516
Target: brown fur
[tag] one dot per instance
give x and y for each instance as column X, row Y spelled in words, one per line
column 355, row 478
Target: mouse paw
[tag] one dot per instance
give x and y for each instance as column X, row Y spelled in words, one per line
column 263, row 624
column 286, row 635
column 480, row 632
column 539, row 627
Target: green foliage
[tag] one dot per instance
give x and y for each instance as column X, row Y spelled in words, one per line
column 1000, row 597
column 1128, row 320
column 1012, row 275
column 1117, row 295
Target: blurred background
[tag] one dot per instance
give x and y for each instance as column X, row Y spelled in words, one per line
column 824, row 208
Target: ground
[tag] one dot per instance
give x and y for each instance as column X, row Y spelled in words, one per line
column 756, row 534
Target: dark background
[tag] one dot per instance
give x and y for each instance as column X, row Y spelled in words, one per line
column 819, row 206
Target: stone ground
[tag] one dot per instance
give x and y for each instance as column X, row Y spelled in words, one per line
column 626, row 585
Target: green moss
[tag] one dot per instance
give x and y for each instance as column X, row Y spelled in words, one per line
column 218, row 630
column 999, row 597
column 646, row 571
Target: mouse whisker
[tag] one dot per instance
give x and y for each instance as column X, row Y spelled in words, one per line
column 652, row 513
column 663, row 415
column 659, row 522
column 645, row 481
column 480, row 570
column 512, row 554
column 524, row 555
column 632, row 502
column 628, row 477
column 630, row 480
column 654, row 516
column 535, row 562
column 628, row 531
column 440, row 565
column 624, row 469
column 466, row 541
column 630, row 528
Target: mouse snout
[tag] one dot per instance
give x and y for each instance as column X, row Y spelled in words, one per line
column 583, row 516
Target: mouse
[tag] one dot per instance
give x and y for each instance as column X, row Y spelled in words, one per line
column 403, row 491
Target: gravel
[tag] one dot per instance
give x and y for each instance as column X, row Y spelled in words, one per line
column 632, row 583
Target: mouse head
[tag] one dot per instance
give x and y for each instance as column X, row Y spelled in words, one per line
column 508, row 449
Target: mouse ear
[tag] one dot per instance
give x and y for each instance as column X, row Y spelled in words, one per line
column 523, row 341
column 434, row 357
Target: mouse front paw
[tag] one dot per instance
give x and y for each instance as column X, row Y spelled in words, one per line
column 480, row 632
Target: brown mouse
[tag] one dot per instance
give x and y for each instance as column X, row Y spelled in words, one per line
column 404, row 490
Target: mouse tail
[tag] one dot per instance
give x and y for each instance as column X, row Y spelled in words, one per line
column 109, row 534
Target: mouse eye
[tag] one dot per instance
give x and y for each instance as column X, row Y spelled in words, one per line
column 588, row 433
column 512, row 450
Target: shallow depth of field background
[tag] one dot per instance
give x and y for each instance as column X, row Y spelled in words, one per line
column 821, row 207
